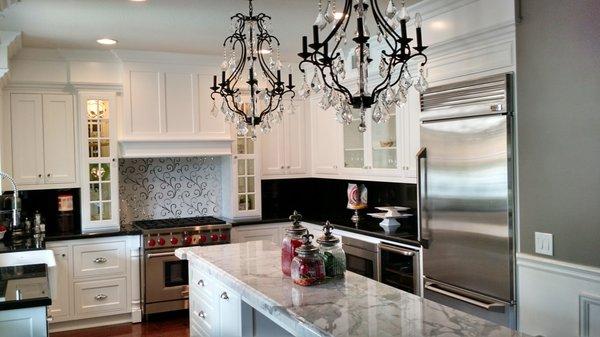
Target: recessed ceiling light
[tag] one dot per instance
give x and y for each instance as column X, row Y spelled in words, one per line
column 106, row 41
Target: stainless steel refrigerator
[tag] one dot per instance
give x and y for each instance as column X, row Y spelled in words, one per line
column 465, row 199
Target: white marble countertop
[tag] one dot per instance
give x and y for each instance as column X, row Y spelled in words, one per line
column 354, row 306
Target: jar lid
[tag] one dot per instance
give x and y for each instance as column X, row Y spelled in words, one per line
column 328, row 239
column 296, row 227
column 307, row 248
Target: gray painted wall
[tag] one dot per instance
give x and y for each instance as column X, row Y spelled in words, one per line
column 558, row 102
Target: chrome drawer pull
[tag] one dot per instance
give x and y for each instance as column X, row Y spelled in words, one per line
column 202, row 314
column 201, row 283
column 224, row 296
column 100, row 260
column 100, row 297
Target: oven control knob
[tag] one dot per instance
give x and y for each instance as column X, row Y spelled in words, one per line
column 214, row 237
column 223, row 237
column 161, row 241
column 188, row 240
column 151, row 243
column 174, row 240
column 202, row 238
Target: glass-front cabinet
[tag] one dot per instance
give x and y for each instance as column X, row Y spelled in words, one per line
column 246, row 174
column 99, row 190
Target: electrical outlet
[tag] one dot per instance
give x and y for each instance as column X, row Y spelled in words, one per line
column 543, row 243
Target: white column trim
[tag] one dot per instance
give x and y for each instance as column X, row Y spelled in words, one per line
column 579, row 271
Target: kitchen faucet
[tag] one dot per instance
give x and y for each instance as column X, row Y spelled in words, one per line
column 15, row 198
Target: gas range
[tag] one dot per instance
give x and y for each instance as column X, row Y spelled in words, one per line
column 164, row 276
column 174, row 233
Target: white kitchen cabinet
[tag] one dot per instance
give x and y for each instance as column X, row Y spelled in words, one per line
column 100, row 174
column 410, row 137
column 260, row 232
column 167, row 113
column 43, row 140
column 59, row 283
column 28, row 322
column 326, row 136
column 284, row 148
column 240, row 175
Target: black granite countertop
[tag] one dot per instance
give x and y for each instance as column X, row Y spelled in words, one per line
column 28, row 243
column 125, row 229
column 36, row 293
column 366, row 226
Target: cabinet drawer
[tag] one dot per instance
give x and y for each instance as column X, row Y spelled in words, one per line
column 99, row 298
column 203, row 314
column 203, row 285
column 103, row 259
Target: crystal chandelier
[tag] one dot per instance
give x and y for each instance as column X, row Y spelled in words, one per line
column 328, row 59
column 251, row 87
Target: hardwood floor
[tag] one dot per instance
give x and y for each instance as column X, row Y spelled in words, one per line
column 157, row 326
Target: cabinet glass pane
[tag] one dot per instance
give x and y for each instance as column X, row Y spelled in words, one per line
column 250, row 167
column 105, row 172
column 384, row 144
column 241, row 167
column 94, row 192
column 106, row 191
column 104, row 148
column 242, row 185
column 251, row 202
column 95, row 211
column 354, row 152
column 242, row 202
column 94, row 168
column 106, row 211
column 92, row 129
column 104, row 129
column 250, row 184
column 249, row 146
column 93, row 148
column 241, row 149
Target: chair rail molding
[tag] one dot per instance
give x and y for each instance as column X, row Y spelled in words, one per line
column 557, row 298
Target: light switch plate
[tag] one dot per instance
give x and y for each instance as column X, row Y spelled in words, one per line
column 543, row 243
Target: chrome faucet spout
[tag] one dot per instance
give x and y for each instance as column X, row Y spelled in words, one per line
column 15, row 196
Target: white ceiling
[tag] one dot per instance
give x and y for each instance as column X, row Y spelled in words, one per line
column 183, row 26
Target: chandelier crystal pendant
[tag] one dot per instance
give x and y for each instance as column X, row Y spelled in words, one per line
column 328, row 59
column 251, row 85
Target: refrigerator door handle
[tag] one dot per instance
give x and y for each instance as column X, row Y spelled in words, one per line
column 421, row 198
column 493, row 306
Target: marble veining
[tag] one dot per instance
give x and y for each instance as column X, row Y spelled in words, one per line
column 354, row 306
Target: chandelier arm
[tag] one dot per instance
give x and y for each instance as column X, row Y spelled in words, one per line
column 235, row 108
column 344, row 21
column 234, row 77
column 376, row 13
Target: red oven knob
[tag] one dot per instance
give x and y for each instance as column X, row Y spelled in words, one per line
column 151, row 243
column 174, row 240
column 188, row 240
column 161, row 241
column 202, row 238
column 214, row 237
column 223, row 237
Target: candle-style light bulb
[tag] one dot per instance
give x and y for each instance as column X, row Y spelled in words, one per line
column 418, row 20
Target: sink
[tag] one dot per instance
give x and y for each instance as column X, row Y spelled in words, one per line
column 28, row 257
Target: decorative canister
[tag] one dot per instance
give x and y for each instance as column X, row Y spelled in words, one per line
column 308, row 268
column 332, row 252
column 291, row 240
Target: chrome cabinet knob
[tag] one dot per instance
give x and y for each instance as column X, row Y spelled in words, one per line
column 201, row 283
column 100, row 297
column 48, row 175
column 224, row 295
column 282, row 167
column 289, row 167
column 39, row 175
column 201, row 314
column 100, row 260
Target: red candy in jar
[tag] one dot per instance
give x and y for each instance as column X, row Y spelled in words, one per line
column 308, row 268
column 291, row 241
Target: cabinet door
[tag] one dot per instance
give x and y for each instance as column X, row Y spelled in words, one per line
column 29, row 322
column 411, row 134
column 27, row 138
column 257, row 233
column 294, row 126
column 59, row 282
column 273, row 156
column 230, row 312
column 59, row 139
column 325, row 140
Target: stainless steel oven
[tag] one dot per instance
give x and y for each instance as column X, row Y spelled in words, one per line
column 399, row 267
column 167, row 284
column 361, row 257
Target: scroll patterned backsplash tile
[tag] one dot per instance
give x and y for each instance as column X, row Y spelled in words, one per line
column 159, row 188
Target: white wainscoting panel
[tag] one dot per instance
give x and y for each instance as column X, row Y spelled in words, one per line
column 557, row 299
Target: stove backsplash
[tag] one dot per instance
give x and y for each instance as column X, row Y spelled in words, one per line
column 322, row 198
column 159, row 188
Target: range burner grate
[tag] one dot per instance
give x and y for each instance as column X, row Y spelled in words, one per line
column 179, row 222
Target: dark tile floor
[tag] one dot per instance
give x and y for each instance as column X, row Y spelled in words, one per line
column 172, row 325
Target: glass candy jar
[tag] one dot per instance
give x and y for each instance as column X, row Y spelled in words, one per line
column 332, row 252
column 308, row 268
column 291, row 240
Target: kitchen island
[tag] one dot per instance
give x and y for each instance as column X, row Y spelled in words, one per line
column 239, row 290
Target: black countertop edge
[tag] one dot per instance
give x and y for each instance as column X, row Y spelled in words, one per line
column 123, row 231
column 4, row 248
column 28, row 303
column 406, row 240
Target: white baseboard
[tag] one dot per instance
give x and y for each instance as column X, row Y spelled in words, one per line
column 556, row 298
column 93, row 322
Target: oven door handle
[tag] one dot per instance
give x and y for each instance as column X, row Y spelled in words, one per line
column 152, row 255
column 397, row 250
